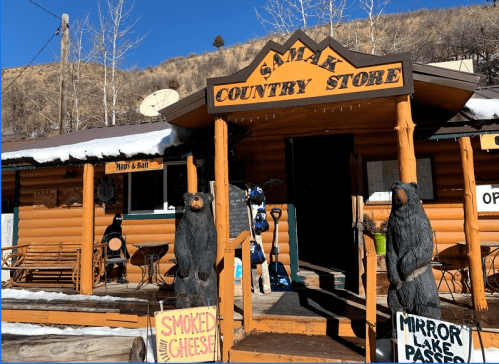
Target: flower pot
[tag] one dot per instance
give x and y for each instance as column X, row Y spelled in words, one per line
column 380, row 240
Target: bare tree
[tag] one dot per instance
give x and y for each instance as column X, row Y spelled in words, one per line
column 284, row 16
column 332, row 11
column 475, row 36
column 80, row 53
column 113, row 43
column 373, row 9
column 26, row 110
column 102, row 50
column 278, row 18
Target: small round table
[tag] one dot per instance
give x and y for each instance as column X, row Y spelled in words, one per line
column 490, row 281
column 151, row 250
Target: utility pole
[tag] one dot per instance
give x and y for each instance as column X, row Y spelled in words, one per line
column 63, row 107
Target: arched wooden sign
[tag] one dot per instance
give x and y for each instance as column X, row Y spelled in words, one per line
column 302, row 72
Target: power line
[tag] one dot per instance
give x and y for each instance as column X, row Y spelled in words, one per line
column 24, row 69
column 44, row 9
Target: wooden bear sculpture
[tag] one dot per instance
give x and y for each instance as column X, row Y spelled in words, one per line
column 409, row 250
column 196, row 252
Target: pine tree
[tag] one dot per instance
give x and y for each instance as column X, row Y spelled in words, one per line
column 218, row 42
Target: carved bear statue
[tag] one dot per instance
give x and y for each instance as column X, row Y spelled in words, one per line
column 409, row 250
column 196, row 252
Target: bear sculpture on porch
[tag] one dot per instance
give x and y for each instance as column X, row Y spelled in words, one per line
column 409, row 251
column 196, row 252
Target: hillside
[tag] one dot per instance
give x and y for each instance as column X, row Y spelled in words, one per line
column 30, row 105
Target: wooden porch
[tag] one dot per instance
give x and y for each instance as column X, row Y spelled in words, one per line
column 310, row 324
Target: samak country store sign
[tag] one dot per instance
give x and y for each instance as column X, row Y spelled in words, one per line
column 302, row 72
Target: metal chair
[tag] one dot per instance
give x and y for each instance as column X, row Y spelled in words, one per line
column 172, row 273
column 114, row 243
column 441, row 265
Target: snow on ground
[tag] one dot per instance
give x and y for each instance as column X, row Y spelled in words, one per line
column 484, row 109
column 29, row 329
column 50, row 296
column 151, row 143
column 491, row 355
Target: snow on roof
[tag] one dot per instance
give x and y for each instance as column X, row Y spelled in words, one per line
column 484, row 109
column 150, row 143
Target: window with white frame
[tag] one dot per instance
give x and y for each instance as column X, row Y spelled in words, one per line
column 158, row 192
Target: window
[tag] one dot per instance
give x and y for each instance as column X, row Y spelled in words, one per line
column 158, row 192
column 383, row 173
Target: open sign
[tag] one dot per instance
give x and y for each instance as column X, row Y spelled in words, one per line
column 487, row 198
column 425, row 340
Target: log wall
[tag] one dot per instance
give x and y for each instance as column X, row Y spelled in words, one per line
column 446, row 212
column 8, row 188
column 266, row 166
column 62, row 223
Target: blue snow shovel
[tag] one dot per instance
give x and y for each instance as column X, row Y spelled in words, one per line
column 279, row 279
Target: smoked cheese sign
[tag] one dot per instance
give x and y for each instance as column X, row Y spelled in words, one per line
column 187, row 335
column 302, row 72
column 134, row 166
column 424, row 340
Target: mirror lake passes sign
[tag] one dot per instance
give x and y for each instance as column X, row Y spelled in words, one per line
column 424, row 340
column 303, row 72
column 134, row 166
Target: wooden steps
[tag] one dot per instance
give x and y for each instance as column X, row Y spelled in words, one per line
column 314, row 276
column 261, row 347
column 333, row 326
column 313, row 338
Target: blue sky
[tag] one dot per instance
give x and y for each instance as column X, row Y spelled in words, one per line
column 175, row 28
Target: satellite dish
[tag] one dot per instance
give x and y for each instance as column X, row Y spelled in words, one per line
column 158, row 100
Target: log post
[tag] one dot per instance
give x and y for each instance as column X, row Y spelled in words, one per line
column 222, row 225
column 192, row 175
column 247, row 304
column 73, row 348
column 371, row 263
column 221, row 186
column 405, row 135
column 360, row 223
column 471, row 229
column 87, row 238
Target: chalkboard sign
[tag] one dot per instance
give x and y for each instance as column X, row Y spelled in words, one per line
column 238, row 211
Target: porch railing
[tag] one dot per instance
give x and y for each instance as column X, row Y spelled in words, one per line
column 371, row 264
column 227, row 291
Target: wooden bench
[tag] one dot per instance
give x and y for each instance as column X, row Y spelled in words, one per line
column 43, row 264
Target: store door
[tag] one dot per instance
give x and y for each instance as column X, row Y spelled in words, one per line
column 320, row 180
